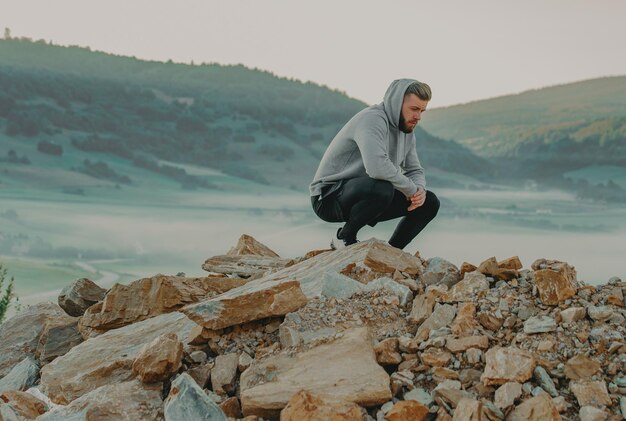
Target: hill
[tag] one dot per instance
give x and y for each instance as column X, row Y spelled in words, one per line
column 244, row 122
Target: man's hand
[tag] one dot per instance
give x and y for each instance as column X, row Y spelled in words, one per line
column 417, row 199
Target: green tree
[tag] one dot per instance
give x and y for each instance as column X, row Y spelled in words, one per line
column 6, row 295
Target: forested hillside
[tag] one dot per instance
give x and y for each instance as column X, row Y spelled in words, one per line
column 246, row 122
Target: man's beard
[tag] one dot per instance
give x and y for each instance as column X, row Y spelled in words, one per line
column 403, row 126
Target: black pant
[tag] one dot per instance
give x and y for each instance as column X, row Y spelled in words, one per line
column 366, row 201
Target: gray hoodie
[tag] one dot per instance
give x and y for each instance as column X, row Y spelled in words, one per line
column 372, row 144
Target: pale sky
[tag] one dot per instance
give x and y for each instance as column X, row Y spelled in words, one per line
column 466, row 50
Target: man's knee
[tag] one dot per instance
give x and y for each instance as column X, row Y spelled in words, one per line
column 432, row 203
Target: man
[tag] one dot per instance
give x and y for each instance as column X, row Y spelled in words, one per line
column 370, row 172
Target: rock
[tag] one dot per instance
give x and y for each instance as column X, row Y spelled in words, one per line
column 249, row 258
column 79, row 296
column 149, row 297
column 616, row 297
column 600, row 313
column 423, row 306
column 468, row 410
column 581, row 367
column 387, row 352
column 58, row 337
column 461, row 344
column 23, row 404
column 545, row 381
column 590, row 392
column 545, row 345
column 491, row 268
column 19, row 335
column 589, row 413
column 407, row 411
column 507, row 394
column 352, row 374
column 465, row 321
column 247, row 303
column 539, row 408
column 448, row 395
column 442, row 316
column 187, row 401
column 231, row 407
column 307, row 406
column 435, row 357
column 490, row 321
column 114, row 402
column 201, row 374
column 198, row 357
column 383, row 258
column 335, row 285
column 622, row 406
column 513, row 263
column 440, row 271
column 573, row 314
column 159, row 360
column 403, row 293
column 467, row 267
column 7, row 413
column 244, row 362
column 539, row 324
column 467, row 289
column 556, row 281
column 363, row 262
column 560, row 403
column 224, row 373
column 419, row 395
column 107, row 358
column 22, row 376
column 473, row 355
column 248, row 246
column 507, row 364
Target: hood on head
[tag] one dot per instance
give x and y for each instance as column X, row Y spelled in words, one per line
column 392, row 101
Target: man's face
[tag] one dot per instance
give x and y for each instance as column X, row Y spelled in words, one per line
column 412, row 109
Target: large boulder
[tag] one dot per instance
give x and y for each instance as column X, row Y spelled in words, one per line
column 307, row 406
column 247, row 303
column 58, row 337
column 126, row 401
column 149, row 297
column 107, row 358
column 160, row 359
column 351, row 373
column 22, row 376
column 79, row 296
column 19, row 336
column 440, row 271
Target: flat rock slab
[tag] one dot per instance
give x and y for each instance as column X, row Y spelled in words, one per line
column 247, row 303
column 149, row 297
column 126, row 401
column 107, row 358
column 19, row 335
column 23, row 404
column 507, row 365
column 373, row 258
column 345, row 369
column 244, row 266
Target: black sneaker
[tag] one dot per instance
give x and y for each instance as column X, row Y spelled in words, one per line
column 338, row 242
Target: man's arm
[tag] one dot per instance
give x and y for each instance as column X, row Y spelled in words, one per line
column 412, row 167
column 371, row 138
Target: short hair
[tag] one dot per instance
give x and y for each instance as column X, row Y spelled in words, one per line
column 420, row 89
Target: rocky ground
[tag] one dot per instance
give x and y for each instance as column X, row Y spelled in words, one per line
column 363, row 333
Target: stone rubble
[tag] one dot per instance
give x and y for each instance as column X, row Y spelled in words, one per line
column 367, row 333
